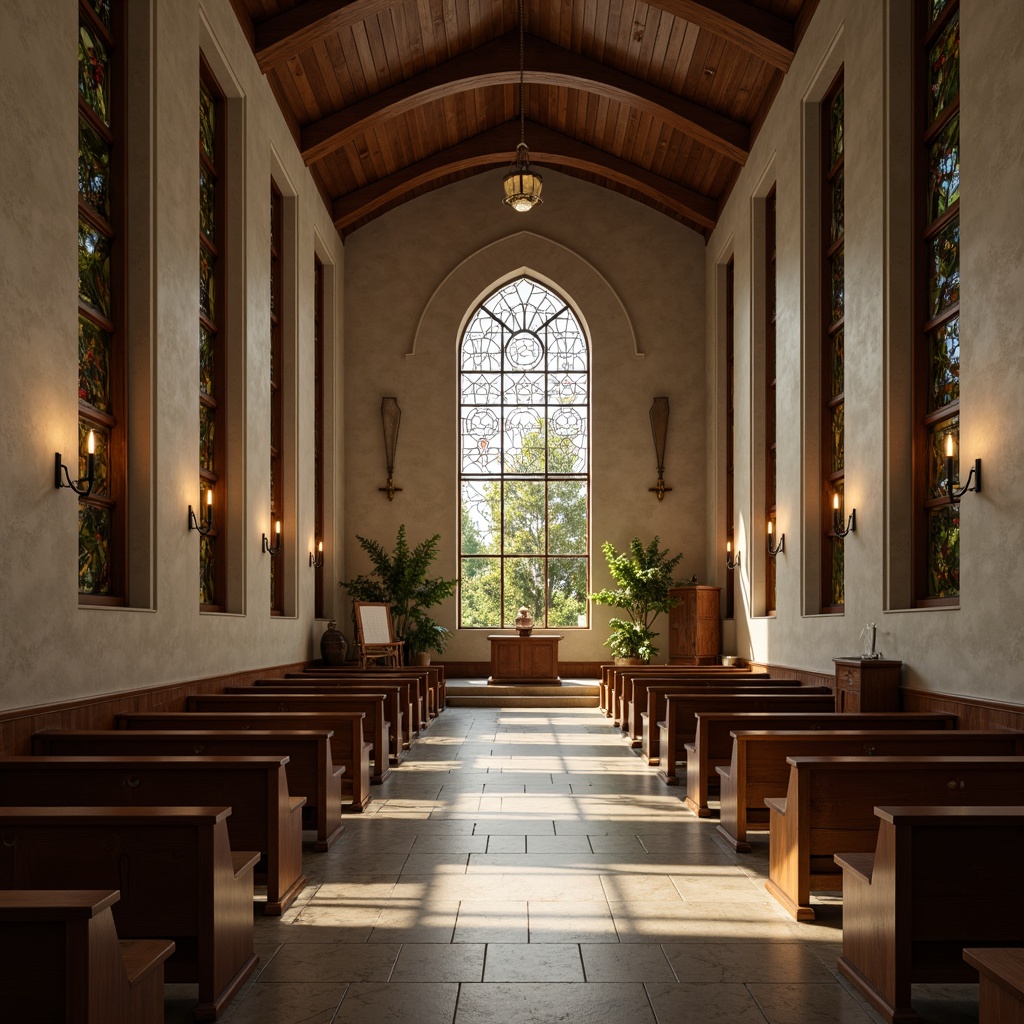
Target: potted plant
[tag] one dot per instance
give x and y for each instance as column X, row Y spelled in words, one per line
column 400, row 578
column 426, row 635
column 644, row 577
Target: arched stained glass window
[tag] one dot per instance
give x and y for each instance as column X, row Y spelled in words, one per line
column 524, row 461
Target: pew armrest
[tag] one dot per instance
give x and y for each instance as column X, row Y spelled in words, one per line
column 244, row 860
column 859, row 864
column 776, row 804
column 296, row 803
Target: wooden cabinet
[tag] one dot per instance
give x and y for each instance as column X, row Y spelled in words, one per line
column 524, row 659
column 695, row 626
column 867, row 684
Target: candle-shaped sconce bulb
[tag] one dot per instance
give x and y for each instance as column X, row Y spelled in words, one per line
column 92, row 442
column 209, row 507
column 835, row 502
column 949, row 446
column 769, row 527
column 90, row 473
column 728, row 547
column 277, row 529
column 320, row 548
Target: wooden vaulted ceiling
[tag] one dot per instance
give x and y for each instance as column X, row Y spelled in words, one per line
column 657, row 100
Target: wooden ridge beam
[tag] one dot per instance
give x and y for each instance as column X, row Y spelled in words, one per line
column 286, row 35
column 765, row 35
column 497, row 63
column 495, row 147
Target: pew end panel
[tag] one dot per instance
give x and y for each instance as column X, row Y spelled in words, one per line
column 1001, row 977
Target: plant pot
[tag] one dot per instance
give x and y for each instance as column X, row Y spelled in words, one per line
column 421, row 658
column 630, row 661
column 333, row 645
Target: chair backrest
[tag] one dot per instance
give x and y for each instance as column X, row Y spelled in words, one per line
column 373, row 622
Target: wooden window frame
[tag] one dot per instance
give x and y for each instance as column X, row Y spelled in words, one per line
column 217, row 401
column 319, row 430
column 770, row 416
column 730, row 430
column 276, row 389
column 829, row 328
column 114, row 422
column 925, row 133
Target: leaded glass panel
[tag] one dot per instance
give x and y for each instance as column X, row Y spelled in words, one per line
column 207, row 204
column 94, row 72
column 944, row 68
column 836, row 132
column 837, row 289
column 207, row 570
column 838, row 364
column 567, row 592
column 94, row 268
column 836, row 447
column 207, row 284
column 937, row 479
column 93, row 365
column 837, row 586
column 524, row 417
column 944, row 169
column 938, row 6
column 837, row 226
column 101, row 438
column 206, row 363
column 944, row 268
column 944, row 363
column 93, row 170
column 207, row 437
column 944, row 551
column 207, row 122
column 94, row 540
column 102, row 9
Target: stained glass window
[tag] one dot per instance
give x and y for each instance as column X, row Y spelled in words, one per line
column 276, row 390
column 318, row 430
column 211, row 384
column 771, row 470
column 100, row 343
column 525, row 460
column 938, row 409
column 833, row 351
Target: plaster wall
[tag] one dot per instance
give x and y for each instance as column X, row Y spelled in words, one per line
column 974, row 649
column 634, row 277
column 50, row 647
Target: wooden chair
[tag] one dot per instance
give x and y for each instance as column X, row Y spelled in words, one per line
column 375, row 635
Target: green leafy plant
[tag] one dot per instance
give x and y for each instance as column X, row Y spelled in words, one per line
column 427, row 635
column 644, row 577
column 400, row 578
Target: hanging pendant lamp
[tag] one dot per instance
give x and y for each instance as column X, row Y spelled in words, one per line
column 522, row 186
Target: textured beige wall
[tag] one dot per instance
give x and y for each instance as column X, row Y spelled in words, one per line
column 974, row 649
column 50, row 648
column 635, row 278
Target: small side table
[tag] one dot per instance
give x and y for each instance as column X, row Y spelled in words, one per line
column 867, row 684
column 532, row 660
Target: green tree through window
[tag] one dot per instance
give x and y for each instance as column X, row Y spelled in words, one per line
column 524, row 402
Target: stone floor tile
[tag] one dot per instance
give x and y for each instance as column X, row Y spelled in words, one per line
column 399, row 1003
column 643, row 962
column 536, row 962
column 321, row 961
column 431, row 962
column 492, row 921
column 706, row 1004
column 450, row 844
column 429, row 921
column 506, row 844
column 311, row 1003
column 740, row 963
column 810, row 1004
column 557, row 844
column 564, row 921
column 500, row 1003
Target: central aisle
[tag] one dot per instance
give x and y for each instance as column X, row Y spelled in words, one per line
column 524, row 867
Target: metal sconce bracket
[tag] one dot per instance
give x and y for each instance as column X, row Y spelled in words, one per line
column 317, row 561
column 194, row 524
column 62, row 478
column 777, row 549
column 391, row 418
column 955, row 494
column 851, row 523
column 659, row 430
column 730, row 562
column 270, row 549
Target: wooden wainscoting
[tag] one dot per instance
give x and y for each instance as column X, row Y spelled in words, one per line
column 802, row 675
column 18, row 724
column 974, row 712
column 482, row 669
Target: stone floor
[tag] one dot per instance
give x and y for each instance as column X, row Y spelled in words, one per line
column 524, row 867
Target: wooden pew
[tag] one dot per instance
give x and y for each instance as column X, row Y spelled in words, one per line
column 376, row 725
column 669, row 724
column 829, row 808
column 399, row 705
column 414, row 687
column 62, row 960
column 264, row 816
column 434, row 693
column 635, row 689
column 759, row 767
column 311, row 769
column 935, row 879
column 1001, row 977
column 712, row 746
column 176, row 872
column 348, row 748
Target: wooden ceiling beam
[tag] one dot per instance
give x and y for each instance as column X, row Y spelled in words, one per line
column 767, row 36
column 286, row 35
column 497, row 63
column 495, row 148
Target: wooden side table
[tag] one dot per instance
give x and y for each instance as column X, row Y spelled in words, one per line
column 867, row 684
column 524, row 659
column 694, row 626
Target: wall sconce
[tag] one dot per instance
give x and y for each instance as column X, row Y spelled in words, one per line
column 730, row 562
column 90, row 474
column 837, row 522
column 659, row 430
column 778, row 548
column 955, row 494
column 274, row 550
column 193, row 522
column 390, row 417
column 318, row 561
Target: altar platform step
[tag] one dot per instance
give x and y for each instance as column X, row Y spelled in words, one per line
column 476, row 693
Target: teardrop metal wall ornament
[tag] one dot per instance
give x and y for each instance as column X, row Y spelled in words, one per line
column 390, row 417
column 659, row 430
